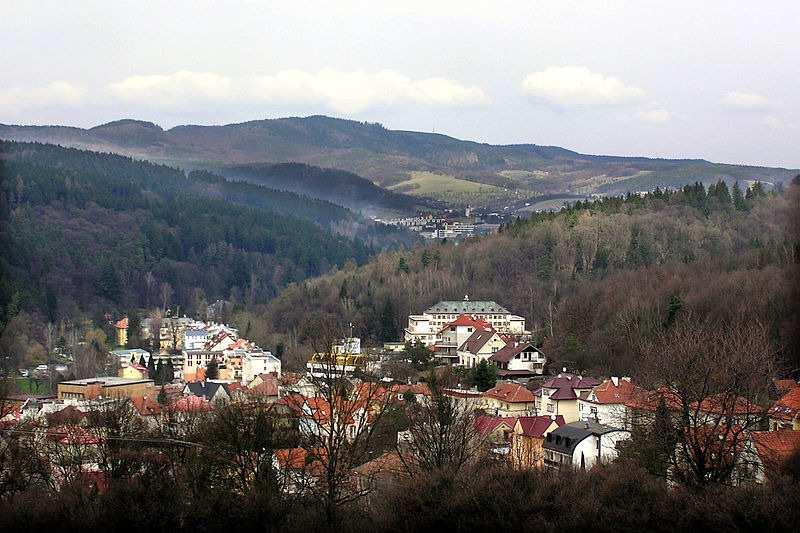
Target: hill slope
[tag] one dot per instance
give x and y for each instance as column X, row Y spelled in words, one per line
column 594, row 281
column 97, row 232
column 389, row 157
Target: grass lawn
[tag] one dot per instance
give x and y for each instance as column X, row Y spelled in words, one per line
column 450, row 189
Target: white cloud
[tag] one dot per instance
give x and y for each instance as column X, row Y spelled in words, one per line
column 57, row 93
column 744, row 101
column 570, row 86
column 338, row 90
column 178, row 89
column 657, row 116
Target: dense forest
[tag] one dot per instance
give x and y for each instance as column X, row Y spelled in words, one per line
column 336, row 186
column 595, row 281
column 93, row 233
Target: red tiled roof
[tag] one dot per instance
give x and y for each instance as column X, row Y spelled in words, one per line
column 774, row 448
column 726, row 404
column 267, row 388
column 122, row 324
column 785, row 385
column 511, row 393
column 535, row 426
column 788, row 407
column 388, row 463
column 299, row 458
column 468, row 320
column 421, row 389
column 646, row 400
column 487, row 424
column 145, row 406
column 72, row 435
column 609, row 393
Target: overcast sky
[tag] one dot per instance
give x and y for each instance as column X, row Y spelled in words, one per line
column 718, row 80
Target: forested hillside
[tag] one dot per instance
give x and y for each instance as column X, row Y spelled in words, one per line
column 594, row 281
column 89, row 232
column 389, row 157
column 335, row 186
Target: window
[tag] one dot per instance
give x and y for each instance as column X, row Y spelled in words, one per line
column 550, row 408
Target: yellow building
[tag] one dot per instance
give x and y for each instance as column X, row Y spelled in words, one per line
column 106, row 387
column 133, row 371
column 122, row 332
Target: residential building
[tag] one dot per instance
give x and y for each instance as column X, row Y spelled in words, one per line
column 581, row 445
column 480, row 346
column 297, row 469
column 773, row 449
column 195, row 339
column 105, row 387
column 605, row 403
column 212, row 391
column 559, row 395
column 496, row 430
column 133, row 371
column 518, row 360
column 451, row 337
column 527, row 440
column 260, row 362
column 509, row 399
column 197, row 359
column 785, row 413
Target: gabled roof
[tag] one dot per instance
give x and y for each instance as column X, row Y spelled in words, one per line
column 421, row 389
column 208, row 389
column 785, row 385
column 191, row 404
column 572, row 381
column 788, row 407
column 511, row 350
column 476, row 341
column 774, row 448
column 535, row 426
column 299, row 458
column 487, row 424
column 567, row 437
column 647, row 400
column 610, row 393
column 511, row 393
column 467, row 321
column 122, row 323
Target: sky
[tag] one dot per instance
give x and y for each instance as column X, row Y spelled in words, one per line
column 713, row 79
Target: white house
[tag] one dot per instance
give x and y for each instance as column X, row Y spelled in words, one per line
column 581, row 445
column 260, row 362
column 480, row 346
column 518, row 360
column 605, row 403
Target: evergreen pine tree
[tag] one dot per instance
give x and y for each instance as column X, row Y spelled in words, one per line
column 387, row 322
column 151, row 368
column 159, row 377
column 169, row 371
column 162, row 396
column 738, row 198
column 485, row 376
column 402, row 266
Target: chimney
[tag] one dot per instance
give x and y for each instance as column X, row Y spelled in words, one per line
column 586, row 425
column 615, row 381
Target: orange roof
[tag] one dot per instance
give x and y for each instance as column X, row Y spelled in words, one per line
column 727, row 404
column 398, row 389
column 388, row 463
column 72, row 435
column 511, row 392
column 785, row 385
column 608, row 393
column 145, row 406
column 122, row 324
column 487, row 424
column 774, row 448
column 468, row 320
column 646, row 400
column 299, row 458
column 788, row 407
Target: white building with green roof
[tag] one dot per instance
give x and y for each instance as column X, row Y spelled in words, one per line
column 428, row 326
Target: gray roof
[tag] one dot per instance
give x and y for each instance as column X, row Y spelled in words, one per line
column 467, row 307
column 206, row 389
column 565, row 438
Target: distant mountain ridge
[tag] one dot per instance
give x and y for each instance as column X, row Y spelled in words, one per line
column 388, row 157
